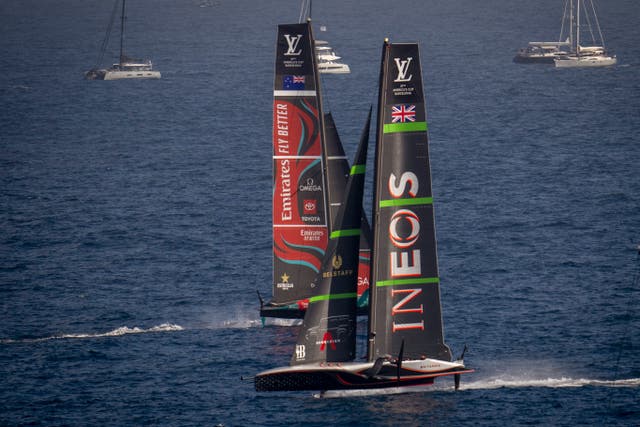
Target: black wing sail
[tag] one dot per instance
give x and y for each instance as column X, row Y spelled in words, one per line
column 337, row 168
column 337, row 174
column 328, row 333
column 406, row 295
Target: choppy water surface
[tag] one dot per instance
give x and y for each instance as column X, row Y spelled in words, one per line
column 135, row 216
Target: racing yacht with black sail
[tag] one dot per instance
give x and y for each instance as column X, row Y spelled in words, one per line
column 406, row 348
column 309, row 173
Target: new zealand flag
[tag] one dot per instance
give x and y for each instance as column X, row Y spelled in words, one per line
column 293, row 82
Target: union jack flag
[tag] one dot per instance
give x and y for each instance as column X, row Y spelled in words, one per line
column 403, row 113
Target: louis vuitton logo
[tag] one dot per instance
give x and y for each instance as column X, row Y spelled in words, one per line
column 403, row 69
column 292, row 44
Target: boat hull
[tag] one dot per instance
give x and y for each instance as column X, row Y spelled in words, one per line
column 119, row 75
column 297, row 310
column 334, row 68
column 356, row 376
column 291, row 311
column 586, row 61
column 95, row 74
column 538, row 59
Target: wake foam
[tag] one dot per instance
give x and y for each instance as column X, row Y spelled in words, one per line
column 548, row 382
column 239, row 324
column 220, row 320
column 488, row 384
column 332, row 394
column 275, row 321
column 124, row 330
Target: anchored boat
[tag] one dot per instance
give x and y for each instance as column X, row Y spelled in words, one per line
column 584, row 23
column 126, row 67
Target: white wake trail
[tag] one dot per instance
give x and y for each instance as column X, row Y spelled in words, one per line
column 124, row 330
column 494, row 383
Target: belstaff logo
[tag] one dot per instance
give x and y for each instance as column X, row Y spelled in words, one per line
column 403, row 69
column 292, row 43
column 336, row 262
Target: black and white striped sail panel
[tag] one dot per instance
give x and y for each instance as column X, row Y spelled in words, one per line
column 406, row 301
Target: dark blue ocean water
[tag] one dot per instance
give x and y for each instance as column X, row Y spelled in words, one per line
column 135, row 215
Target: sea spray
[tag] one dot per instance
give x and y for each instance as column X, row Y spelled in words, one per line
column 563, row 382
column 123, row 330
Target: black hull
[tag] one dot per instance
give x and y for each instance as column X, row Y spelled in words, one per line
column 290, row 312
column 281, row 312
column 339, row 379
column 95, row 74
column 533, row 60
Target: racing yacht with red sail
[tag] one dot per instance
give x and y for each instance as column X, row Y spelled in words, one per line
column 309, row 177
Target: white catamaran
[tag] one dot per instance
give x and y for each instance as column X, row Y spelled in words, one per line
column 328, row 61
column 126, row 67
column 406, row 348
column 582, row 20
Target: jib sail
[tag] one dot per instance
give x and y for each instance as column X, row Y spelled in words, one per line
column 328, row 332
column 337, row 173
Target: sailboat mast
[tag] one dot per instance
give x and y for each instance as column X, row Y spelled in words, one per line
column 122, row 20
column 571, row 25
column 374, row 219
column 321, row 118
column 578, row 30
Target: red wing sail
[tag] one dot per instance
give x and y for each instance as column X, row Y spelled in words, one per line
column 300, row 223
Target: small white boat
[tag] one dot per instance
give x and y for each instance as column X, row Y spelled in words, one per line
column 595, row 55
column 540, row 52
column 328, row 61
column 127, row 67
column 601, row 60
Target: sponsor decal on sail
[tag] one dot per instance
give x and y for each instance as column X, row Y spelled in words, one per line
column 294, row 50
column 301, row 352
column 403, row 77
column 293, row 82
column 403, row 113
column 309, row 206
column 403, row 68
column 328, row 339
column 284, row 284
